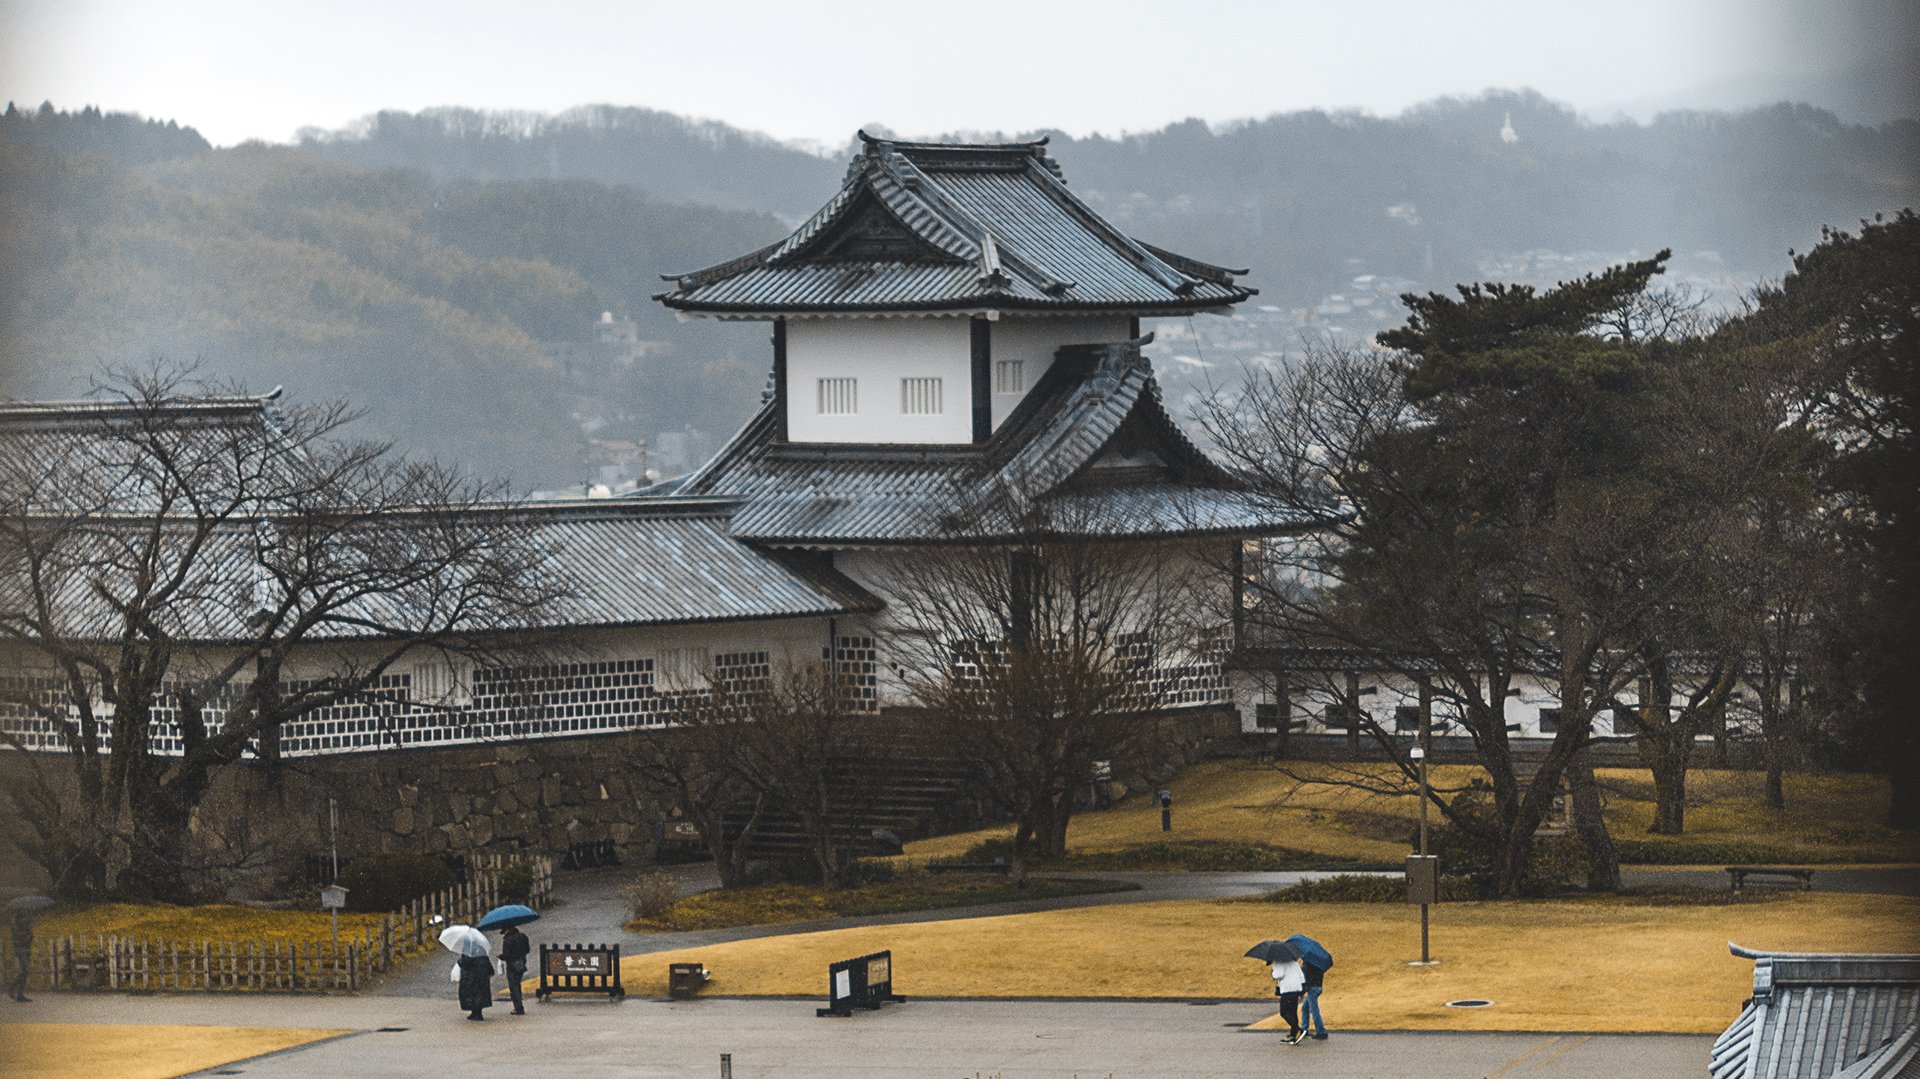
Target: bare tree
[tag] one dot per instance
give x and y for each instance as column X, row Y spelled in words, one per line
column 1044, row 650
column 184, row 574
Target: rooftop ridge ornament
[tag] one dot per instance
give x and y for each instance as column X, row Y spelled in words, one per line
column 1052, row 252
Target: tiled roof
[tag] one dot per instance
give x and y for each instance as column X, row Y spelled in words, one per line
column 1824, row 1016
column 1048, row 452
column 613, row 563
column 126, row 457
column 929, row 226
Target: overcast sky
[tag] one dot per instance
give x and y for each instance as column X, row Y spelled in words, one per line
column 262, row 69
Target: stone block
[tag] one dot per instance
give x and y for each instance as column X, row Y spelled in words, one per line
column 409, row 794
column 403, row 821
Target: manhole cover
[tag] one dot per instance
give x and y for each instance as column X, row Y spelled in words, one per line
column 1468, row 1003
column 1235, row 1026
column 391, row 1030
column 1202, row 1003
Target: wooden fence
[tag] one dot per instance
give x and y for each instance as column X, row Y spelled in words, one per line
column 112, row 962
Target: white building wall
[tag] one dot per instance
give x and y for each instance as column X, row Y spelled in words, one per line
column 878, row 353
column 1032, row 340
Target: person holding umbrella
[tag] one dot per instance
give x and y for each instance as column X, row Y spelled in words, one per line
column 1289, row 981
column 514, row 945
column 473, row 969
column 23, row 909
column 1315, row 961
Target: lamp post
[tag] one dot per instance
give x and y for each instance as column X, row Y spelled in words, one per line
column 1429, row 887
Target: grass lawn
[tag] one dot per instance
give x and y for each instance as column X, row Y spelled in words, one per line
column 213, row 921
column 777, row 904
column 1829, row 818
column 1601, row 964
column 88, row 1050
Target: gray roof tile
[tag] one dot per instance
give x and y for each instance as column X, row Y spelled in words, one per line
column 967, row 226
column 800, row 494
column 1822, row 1016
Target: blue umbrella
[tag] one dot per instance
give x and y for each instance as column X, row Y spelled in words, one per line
column 511, row 914
column 1311, row 952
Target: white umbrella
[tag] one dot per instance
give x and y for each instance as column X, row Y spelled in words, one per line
column 464, row 940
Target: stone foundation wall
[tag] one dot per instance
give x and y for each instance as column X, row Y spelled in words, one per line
column 260, row 822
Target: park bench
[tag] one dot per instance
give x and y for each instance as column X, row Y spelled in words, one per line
column 1740, row 873
column 686, row 979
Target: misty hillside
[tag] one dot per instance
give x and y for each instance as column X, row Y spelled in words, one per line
column 1297, row 197
column 425, row 302
column 670, row 157
column 446, row 269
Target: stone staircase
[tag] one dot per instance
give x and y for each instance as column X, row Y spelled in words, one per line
column 887, row 791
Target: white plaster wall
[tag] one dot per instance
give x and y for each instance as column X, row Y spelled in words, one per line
column 879, row 353
column 1034, row 339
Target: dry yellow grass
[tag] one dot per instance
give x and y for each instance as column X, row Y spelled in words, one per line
column 125, row 1051
column 1579, row 965
column 1828, row 818
column 213, row 921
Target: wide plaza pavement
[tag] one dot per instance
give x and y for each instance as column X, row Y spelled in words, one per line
column 402, row 1036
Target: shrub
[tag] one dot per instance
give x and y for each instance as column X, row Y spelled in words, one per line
column 1365, row 888
column 516, row 884
column 387, row 882
column 650, row 895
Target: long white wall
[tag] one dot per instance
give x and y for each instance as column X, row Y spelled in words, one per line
column 878, row 354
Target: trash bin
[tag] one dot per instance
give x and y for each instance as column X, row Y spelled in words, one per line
column 686, row 979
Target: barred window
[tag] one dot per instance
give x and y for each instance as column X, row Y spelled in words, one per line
column 1009, row 376
column 839, row 397
column 682, row 668
column 921, row 397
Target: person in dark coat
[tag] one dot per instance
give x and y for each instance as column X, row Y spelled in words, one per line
column 1310, row 1004
column 514, row 947
column 22, row 952
column 476, row 985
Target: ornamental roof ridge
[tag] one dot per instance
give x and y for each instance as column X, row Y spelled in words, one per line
column 930, row 226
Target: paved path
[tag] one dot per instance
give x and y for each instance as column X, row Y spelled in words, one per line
column 914, row 1040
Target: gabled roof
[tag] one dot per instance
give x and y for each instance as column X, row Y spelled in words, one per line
column 1097, row 406
column 936, row 226
column 1816, row 1016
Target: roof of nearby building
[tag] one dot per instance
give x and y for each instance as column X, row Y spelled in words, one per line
column 938, row 226
column 1824, row 1016
column 128, row 455
column 604, row 562
column 1090, row 447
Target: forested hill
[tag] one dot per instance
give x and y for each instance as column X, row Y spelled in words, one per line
column 423, row 301
column 670, row 157
column 1300, row 198
column 414, row 262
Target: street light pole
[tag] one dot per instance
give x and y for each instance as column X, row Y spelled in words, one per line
column 1426, row 738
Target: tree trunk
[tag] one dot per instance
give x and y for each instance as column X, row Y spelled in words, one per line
column 1669, row 791
column 1514, row 859
column 1603, row 860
